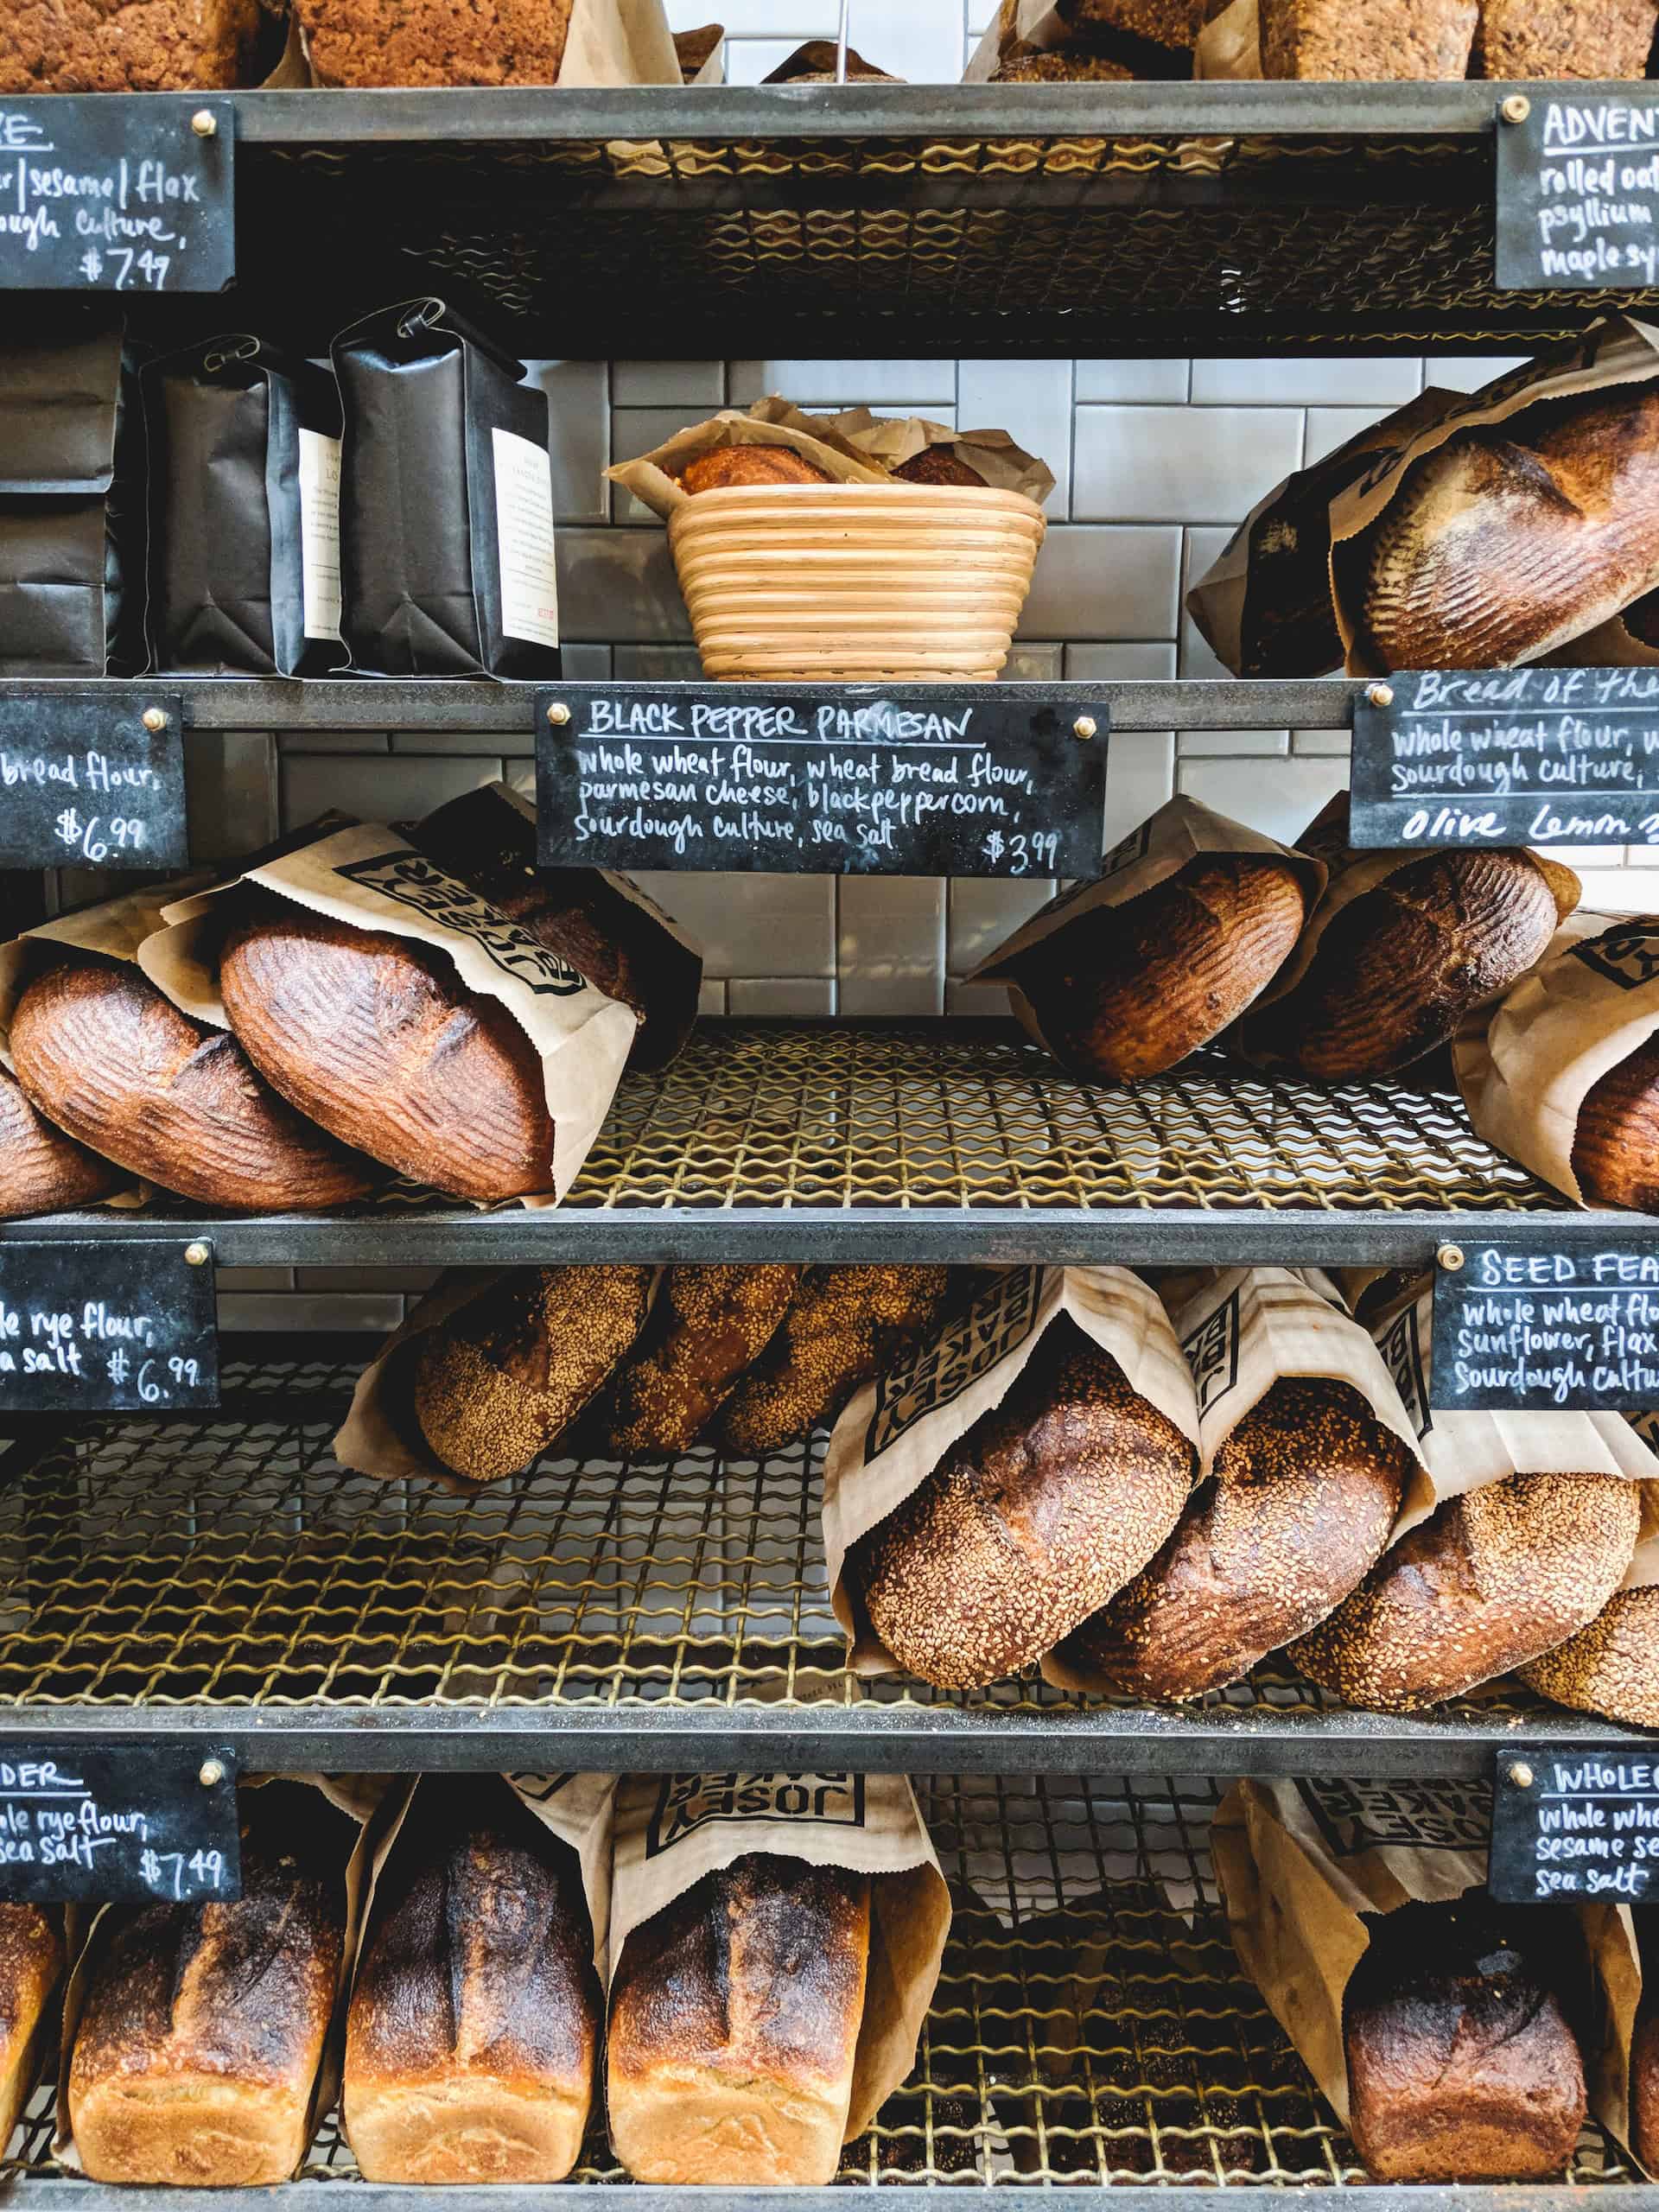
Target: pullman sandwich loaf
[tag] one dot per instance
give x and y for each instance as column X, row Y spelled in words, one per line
column 42, row 1170
column 31, row 1964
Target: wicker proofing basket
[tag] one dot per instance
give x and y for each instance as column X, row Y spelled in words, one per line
column 895, row 582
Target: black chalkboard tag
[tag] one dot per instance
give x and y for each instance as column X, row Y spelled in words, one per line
column 117, row 192
column 917, row 779
column 109, row 1324
column 1518, row 1329
column 93, row 780
column 1570, row 1825
column 142, row 1823
column 1520, row 756
column 1578, row 192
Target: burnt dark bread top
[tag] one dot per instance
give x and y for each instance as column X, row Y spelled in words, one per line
column 1300, row 1503
column 434, row 42
column 707, row 1324
column 1460, row 2026
column 1612, row 1667
column 1030, row 1522
column 377, row 1038
column 723, row 466
column 573, row 912
column 42, row 1170
column 1616, row 1146
column 109, row 1058
column 90, row 46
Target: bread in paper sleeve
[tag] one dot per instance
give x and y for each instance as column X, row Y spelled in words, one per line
column 772, row 427
column 1190, row 920
column 983, row 1499
column 917, row 451
column 775, row 1943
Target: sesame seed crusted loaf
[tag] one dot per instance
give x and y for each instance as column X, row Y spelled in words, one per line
column 1166, row 22
column 435, row 42
column 1565, row 38
column 1491, row 1580
column 42, row 1170
column 706, row 1325
column 1301, row 1502
column 1368, row 40
column 1616, row 1145
column 125, row 46
column 1029, row 1524
column 31, row 1960
column 1610, row 1667
column 499, row 1381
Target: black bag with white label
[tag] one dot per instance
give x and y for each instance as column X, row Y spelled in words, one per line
column 71, row 501
column 244, row 567
column 446, row 501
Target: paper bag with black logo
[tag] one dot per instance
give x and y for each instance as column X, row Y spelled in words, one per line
column 678, row 1834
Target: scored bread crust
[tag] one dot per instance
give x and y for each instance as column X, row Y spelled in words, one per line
column 434, row 43
column 31, row 1960
column 1304, row 1494
column 42, row 1169
column 707, row 1324
column 1490, row 1580
column 472, row 2033
column 1400, row 967
column 1327, row 39
column 141, row 45
column 1568, row 38
column 1030, row 1522
column 1610, row 1667
column 496, row 1385
column 734, row 2018
column 1510, row 540
column 1129, row 991
column 111, row 1059
column 377, row 1038
column 724, row 465
column 1616, row 1146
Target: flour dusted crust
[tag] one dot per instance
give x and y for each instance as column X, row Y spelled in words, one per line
column 42, row 1170
column 435, row 42
column 125, row 46
column 1616, row 1147
column 1610, row 1667
column 1565, row 38
column 1380, row 39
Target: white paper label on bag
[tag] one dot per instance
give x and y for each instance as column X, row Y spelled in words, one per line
column 524, row 522
column 319, row 532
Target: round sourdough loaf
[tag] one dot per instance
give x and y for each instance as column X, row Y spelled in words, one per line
column 42, row 1171
column 1610, row 1667
column 1616, row 1148
column 110, row 1058
column 498, row 1382
column 722, row 465
column 1400, row 966
column 1490, row 1580
column 1031, row 1521
column 378, row 1040
column 1129, row 990
column 935, row 465
column 707, row 1324
column 1301, row 1503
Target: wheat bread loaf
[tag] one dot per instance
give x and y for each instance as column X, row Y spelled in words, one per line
column 435, row 42
column 31, row 1965
column 144, row 46
column 1367, row 39
column 1616, row 1145
column 735, row 2017
column 707, row 1324
column 1165, row 23
column 42, row 1170
column 111, row 1059
column 1565, row 38
column 1610, row 1667
column 1062, row 65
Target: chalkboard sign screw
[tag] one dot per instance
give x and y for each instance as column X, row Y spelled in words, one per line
column 558, row 714
column 1380, row 694
column 210, row 1771
column 205, row 123
column 1520, row 1775
column 1516, row 108
column 1085, row 726
column 197, row 1255
column 154, row 720
column 1450, row 1257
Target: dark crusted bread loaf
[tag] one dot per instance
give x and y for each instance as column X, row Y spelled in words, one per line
column 144, row 46
column 31, row 1960
column 734, row 2025
column 1463, row 2064
column 204, row 2025
column 1610, row 1667
column 842, row 1325
column 1565, row 38
column 1067, row 65
column 937, row 465
column 473, row 2035
column 110, row 1058
column 499, row 1381
column 1616, row 1146
column 1489, row 1581
column 1644, row 2055
column 435, row 42
column 1303, row 1496
column 1509, row 540
column 1380, row 39
column 378, row 1040
column 724, row 465
column 1030, row 1522
column 1129, row 990
column 42, row 1170
column 707, row 1324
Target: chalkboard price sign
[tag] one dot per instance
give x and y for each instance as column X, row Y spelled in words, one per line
column 122, row 1326
column 1539, row 756
column 1568, row 1826
column 1520, row 1331
column 1578, row 193
column 923, row 779
column 84, row 783
column 141, row 1823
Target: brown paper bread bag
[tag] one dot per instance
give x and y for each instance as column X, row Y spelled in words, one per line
column 654, row 477
column 915, row 449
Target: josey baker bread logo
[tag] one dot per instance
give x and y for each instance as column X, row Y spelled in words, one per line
column 411, row 879
column 1356, row 1816
column 1403, row 1357
column 685, row 1801
column 1124, row 853
column 1212, row 1352
column 997, row 1320
column 1627, row 955
column 1647, row 1427
column 539, row 1788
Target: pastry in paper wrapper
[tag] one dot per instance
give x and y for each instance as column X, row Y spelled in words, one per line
column 984, row 1499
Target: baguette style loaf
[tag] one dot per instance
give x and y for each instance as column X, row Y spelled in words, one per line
column 1380, row 39
column 1610, row 1667
column 1511, row 539
column 1565, row 38
column 472, row 2034
column 42, row 1170
column 707, row 1324
column 735, row 2021
column 1616, row 1145
column 110, row 1058
column 31, row 1962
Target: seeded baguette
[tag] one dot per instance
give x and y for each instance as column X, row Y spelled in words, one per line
column 707, row 1324
column 1610, row 1667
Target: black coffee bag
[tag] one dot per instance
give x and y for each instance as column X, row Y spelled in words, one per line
column 446, row 501
column 243, row 572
